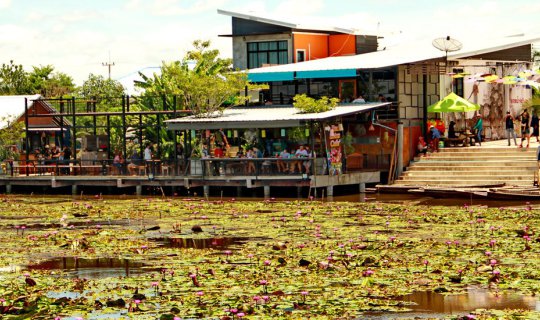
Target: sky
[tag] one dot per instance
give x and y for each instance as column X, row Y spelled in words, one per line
column 78, row 37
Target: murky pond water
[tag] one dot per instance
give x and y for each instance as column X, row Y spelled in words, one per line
column 205, row 243
column 93, row 268
column 433, row 305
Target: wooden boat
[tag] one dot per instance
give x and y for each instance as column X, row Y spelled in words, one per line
column 393, row 189
column 514, row 194
column 465, row 193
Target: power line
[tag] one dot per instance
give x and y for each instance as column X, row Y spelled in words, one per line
column 108, row 64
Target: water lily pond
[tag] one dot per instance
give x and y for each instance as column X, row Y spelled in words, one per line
column 170, row 258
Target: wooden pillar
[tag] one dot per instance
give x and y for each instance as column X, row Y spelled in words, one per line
column 330, row 191
column 266, row 192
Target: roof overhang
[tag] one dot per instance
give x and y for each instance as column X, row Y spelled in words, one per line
column 266, row 117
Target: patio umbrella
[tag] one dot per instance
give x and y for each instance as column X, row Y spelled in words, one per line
column 453, row 103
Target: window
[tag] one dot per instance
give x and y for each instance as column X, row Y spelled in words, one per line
column 457, row 85
column 300, row 55
column 267, row 52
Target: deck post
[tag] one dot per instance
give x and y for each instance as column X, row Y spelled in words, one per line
column 362, row 187
column 238, row 191
column 8, row 188
column 266, row 192
column 74, row 190
column 299, row 192
column 206, row 190
column 330, row 191
column 399, row 165
column 138, row 190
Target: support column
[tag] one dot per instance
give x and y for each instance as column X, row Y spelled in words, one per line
column 74, row 190
column 238, row 191
column 8, row 188
column 299, row 192
column 206, row 190
column 399, row 164
column 138, row 190
column 266, row 192
column 362, row 188
column 330, row 191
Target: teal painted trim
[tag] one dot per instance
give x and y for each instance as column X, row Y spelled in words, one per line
column 312, row 74
column 271, row 76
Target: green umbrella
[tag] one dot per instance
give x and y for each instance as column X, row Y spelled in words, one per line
column 453, row 103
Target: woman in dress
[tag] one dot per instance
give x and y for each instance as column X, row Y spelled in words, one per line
column 525, row 128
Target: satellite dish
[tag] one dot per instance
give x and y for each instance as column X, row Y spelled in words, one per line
column 447, row 44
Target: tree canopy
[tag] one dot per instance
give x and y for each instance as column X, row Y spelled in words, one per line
column 203, row 82
column 41, row 80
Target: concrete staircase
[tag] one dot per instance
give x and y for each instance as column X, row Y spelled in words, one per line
column 472, row 166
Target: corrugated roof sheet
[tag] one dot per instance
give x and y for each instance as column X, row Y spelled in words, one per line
column 265, row 117
column 402, row 54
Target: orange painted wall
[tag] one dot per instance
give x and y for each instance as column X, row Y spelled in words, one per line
column 315, row 45
column 342, row 44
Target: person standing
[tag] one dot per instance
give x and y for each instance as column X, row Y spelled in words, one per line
column 148, row 152
column 525, row 128
column 509, row 125
column 435, row 136
column 534, row 125
column 478, row 127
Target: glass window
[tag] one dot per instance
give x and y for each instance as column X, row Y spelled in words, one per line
column 267, row 52
column 273, row 58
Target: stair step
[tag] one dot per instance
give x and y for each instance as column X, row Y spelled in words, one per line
column 451, row 168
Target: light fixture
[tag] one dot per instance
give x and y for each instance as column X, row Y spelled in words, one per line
column 283, row 132
column 371, row 127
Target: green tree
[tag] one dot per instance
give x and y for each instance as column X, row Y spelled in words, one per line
column 107, row 92
column 10, row 135
column 50, row 84
column 203, row 82
column 13, row 80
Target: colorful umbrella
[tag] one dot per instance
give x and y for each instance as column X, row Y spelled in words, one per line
column 453, row 103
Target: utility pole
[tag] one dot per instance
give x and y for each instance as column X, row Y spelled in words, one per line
column 108, row 64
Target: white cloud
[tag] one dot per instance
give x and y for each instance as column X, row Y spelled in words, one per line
column 5, row 4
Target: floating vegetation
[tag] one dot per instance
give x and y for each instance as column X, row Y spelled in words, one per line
column 171, row 259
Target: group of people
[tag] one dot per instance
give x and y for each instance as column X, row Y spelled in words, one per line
column 526, row 123
column 299, row 166
column 54, row 153
column 529, row 125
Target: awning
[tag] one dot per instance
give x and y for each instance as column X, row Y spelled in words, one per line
column 271, row 76
column 266, row 117
column 313, row 74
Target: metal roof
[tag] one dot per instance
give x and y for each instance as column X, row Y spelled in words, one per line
column 12, row 107
column 315, row 26
column 265, row 117
column 411, row 52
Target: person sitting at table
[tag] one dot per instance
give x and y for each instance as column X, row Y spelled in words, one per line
column 421, row 147
column 250, row 164
column 300, row 153
column 135, row 163
column 310, row 154
column 452, row 130
column 282, row 165
column 118, row 162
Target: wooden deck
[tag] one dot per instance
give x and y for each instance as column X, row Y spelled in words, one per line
column 50, row 180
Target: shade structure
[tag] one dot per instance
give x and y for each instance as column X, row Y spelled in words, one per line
column 453, row 103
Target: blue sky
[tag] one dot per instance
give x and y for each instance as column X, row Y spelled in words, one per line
column 77, row 36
